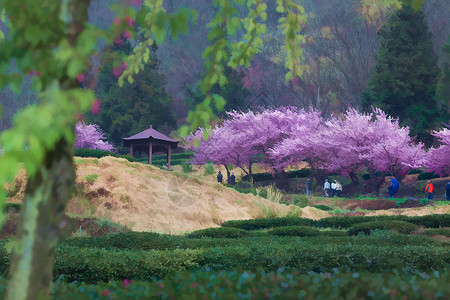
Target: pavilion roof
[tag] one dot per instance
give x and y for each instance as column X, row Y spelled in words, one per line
column 150, row 133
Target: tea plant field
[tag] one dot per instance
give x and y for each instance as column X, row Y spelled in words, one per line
column 378, row 257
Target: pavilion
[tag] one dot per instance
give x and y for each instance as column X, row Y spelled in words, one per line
column 151, row 141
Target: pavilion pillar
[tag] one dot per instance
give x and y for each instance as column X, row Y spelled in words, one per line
column 168, row 156
column 150, row 153
column 131, row 149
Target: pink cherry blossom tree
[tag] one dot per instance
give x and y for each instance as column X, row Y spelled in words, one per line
column 90, row 136
column 438, row 159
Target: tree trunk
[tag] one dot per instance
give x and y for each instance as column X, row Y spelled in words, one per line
column 41, row 223
column 228, row 172
column 46, row 196
column 355, row 182
column 376, row 182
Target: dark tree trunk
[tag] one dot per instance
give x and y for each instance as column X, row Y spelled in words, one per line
column 228, row 172
column 376, row 182
column 46, row 196
column 355, row 181
column 41, row 224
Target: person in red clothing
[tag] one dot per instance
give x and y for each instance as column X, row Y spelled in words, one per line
column 429, row 188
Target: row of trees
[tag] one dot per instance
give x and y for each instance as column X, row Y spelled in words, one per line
column 346, row 143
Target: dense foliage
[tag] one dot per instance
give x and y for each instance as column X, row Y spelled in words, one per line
column 404, row 80
column 136, row 105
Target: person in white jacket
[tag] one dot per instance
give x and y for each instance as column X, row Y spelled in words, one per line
column 334, row 186
column 326, row 188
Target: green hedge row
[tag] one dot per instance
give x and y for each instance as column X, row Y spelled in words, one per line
column 153, row 241
column 302, row 173
column 367, row 227
column 94, row 265
column 429, row 221
column 221, row 232
column 294, row 231
column 100, row 153
column 205, row 284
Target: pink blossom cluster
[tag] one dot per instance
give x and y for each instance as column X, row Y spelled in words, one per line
column 279, row 138
column 439, row 158
column 90, row 137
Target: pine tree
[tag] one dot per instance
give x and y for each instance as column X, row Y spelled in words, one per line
column 134, row 107
column 404, row 80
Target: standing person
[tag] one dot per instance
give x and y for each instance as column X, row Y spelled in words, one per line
column 447, row 191
column 326, row 188
column 391, row 191
column 232, row 179
column 339, row 188
column 308, row 187
column 219, row 177
column 333, row 188
column 430, row 189
column 395, row 186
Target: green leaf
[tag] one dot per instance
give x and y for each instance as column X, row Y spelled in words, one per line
column 16, row 83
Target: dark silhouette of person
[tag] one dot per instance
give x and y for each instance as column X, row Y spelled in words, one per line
column 447, row 191
column 219, row 177
column 232, row 179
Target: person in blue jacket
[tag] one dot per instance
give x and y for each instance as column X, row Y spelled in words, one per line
column 395, row 186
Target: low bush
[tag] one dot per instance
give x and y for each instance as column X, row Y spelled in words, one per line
column 294, row 231
column 128, row 240
column 241, row 190
column 281, row 284
column 221, row 232
column 14, row 207
column 440, row 231
column 94, row 265
column 415, row 171
column 255, row 224
column 187, row 167
column 427, row 176
column 334, row 233
column 429, row 221
column 323, row 207
column 300, row 200
column 366, row 228
column 208, row 169
column 100, row 153
column 302, row 173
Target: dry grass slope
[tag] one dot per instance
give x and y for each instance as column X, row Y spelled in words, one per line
column 150, row 199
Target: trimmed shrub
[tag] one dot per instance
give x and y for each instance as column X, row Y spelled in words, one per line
column 426, row 176
column 255, row 224
column 302, row 173
column 323, row 207
column 128, row 241
column 440, row 231
column 100, row 153
column 334, row 233
column 294, row 231
column 221, row 232
column 429, row 221
column 197, row 284
column 366, row 228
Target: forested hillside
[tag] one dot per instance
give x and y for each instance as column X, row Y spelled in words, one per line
column 339, row 54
